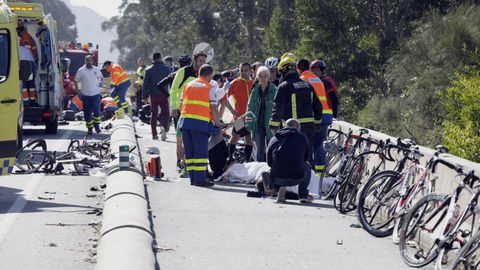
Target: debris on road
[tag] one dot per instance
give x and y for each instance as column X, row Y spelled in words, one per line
column 45, row 198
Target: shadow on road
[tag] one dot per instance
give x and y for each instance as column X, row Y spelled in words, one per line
column 76, row 134
column 8, row 196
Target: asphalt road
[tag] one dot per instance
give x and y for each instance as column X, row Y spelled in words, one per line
column 44, row 219
column 221, row 228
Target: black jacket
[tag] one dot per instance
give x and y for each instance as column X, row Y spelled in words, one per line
column 154, row 74
column 287, row 153
column 307, row 107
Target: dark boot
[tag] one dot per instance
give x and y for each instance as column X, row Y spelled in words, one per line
column 248, row 153
column 231, row 151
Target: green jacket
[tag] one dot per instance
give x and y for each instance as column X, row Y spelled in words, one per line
column 253, row 109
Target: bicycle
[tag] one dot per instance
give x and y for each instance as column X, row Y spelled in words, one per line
column 98, row 149
column 467, row 258
column 436, row 223
column 345, row 199
column 388, row 195
column 31, row 157
column 55, row 164
column 340, row 159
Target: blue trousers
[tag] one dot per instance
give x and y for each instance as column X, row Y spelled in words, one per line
column 196, row 155
column 261, row 142
column 91, row 110
column 318, row 150
column 118, row 94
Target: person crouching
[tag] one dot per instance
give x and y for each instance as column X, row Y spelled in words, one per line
column 288, row 153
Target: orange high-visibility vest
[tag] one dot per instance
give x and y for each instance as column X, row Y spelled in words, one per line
column 118, row 74
column 77, row 102
column 319, row 88
column 196, row 100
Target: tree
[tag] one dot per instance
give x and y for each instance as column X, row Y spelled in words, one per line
column 462, row 126
column 423, row 67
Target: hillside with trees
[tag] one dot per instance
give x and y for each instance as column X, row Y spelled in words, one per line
column 405, row 67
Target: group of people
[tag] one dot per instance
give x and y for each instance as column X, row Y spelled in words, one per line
column 88, row 83
column 288, row 91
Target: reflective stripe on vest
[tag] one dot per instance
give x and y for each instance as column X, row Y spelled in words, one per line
column 196, row 101
column 319, row 88
column 118, row 75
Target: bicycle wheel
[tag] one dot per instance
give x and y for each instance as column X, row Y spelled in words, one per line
column 31, row 157
column 330, row 171
column 377, row 203
column 347, row 193
column 73, row 146
column 418, row 242
column 468, row 258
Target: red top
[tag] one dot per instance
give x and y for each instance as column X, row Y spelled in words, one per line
column 240, row 90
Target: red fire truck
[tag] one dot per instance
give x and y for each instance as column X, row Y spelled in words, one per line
column 73, row 57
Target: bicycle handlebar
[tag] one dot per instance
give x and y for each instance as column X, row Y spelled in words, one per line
column 452, row 166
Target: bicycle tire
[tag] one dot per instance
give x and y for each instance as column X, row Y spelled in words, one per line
column 466, row 253
column 411, row 226
column 340, row 177
column 24, row 161
column 348, row 190
column 333, row 160
column 387, row 181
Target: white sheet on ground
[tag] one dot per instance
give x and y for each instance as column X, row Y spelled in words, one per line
column 252, row 171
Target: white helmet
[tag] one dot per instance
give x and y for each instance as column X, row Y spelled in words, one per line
column 271, row 62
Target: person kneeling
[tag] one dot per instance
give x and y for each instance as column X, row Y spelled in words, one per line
column 287, row 156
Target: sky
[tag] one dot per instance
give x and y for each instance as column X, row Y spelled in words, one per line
column 106, row 8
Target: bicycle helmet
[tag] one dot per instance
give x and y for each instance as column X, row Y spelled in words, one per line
column 271, row 62
column 184, row 60
column 318, row 64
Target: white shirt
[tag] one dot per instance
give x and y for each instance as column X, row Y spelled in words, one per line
column 26, row 54
column 90, row 80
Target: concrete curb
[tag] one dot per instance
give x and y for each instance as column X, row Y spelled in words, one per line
column 447, row 178
column 126, row 236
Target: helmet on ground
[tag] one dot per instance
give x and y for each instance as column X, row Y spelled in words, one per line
column 184, row 60
column 271, row 62
column 288, row 61
column 318, row 64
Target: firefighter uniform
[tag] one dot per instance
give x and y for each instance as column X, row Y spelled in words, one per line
column 297, row 99
column 120, row 84
column 196, row 125
column 320, row 135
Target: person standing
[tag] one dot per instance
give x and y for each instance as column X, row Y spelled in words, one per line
column 29, row 94
column 168, row 61
column 259, row 111
column 142, row 66
column 90, row 78
column 240, row 90
column 296, row 99
column 199, row 115
column 303, row 68
column 182, row 78
column 272, row 63
column 333, row 96
column 153, row 75
column 119, row 84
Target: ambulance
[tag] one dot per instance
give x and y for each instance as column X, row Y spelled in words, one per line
column 41, row 102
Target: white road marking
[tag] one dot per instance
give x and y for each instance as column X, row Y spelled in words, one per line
column 9, row 218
